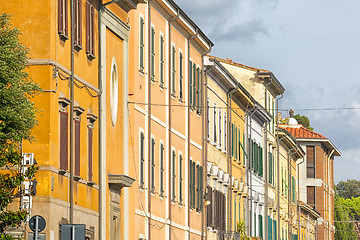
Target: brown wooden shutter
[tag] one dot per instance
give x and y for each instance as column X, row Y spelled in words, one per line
column 64, row 140
column 88, row 27
column 66, row 18
column 76, row 17
column 310, row 161
column 77, row 148
column 90, row 153
column 311, row 195
column 80, row 23
column 60, row 16
column 92, row 37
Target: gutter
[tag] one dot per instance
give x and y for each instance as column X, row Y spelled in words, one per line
column 72, row 113
column 149, row 122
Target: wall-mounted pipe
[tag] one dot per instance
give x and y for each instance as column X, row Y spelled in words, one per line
column 278, row 161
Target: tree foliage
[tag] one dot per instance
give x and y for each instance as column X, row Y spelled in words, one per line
column 303, row 120
column 348, row 189
column 344, row 227
column 17, row 118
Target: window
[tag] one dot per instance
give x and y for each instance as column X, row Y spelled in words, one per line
column 208, row 118
column 310, row 190
column 77, row 25
column 152, row 189
column 142, row 159
column 209, row 208
column 63, row 19
column 141, row 50
column 293, row 185
column 310, row 162
column 198, row 93
column 215, row 139
column 77, row 148
column 173, row 70
column 173, row 176
column 152, row 70
column 180, row 178
column 199, row 188
column 161, row 169
column 219, row 212
column 181, row 76
column 191, row 85
column 260, row 226
column 162, row 61
column 90, row 153
column 220, row 136
column 90, row 38
column 64, row 140
column 270, row 168
column 225, row 132
column 194, row 86
column 192, row 184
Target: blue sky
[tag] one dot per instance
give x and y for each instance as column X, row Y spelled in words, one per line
column 313, row 48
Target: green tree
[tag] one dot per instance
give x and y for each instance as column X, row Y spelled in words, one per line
column 348, row 189
column 303, row 120
column 344, row 227
column 17, row 118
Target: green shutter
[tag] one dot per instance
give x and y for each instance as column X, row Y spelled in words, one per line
column 238, row 145
column 181, row 76
column 256, row 158
column 243, row 147
column 194, row 85
column 141, row 44
column 270, row 228
column 152, row 52
column 180, row 178
column 191, row 183
column 173, row 72
column 173, row 175
column 201, row 187
column 261, row 162
column 198, row 90
column 261, row 226
column 270, row 168
column 232, row 139
column 161, row 61
column 191, row 83
column 152, row 164
column 161, row 169
column 236, row 138
column 142, row 159
column 293, row 189
column 275, row 231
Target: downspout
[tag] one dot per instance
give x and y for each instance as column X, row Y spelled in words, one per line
column 204, row 142
column 278, row 161
column 169, row 99
column 149, row 119
column 290, row 192
column 102, row 235
column 229, row 162
column 72, row 114
column 188, row 130
column 298, row 199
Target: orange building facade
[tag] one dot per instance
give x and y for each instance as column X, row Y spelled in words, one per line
column 166, row 117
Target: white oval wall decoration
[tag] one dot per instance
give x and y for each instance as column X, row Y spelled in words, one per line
column 114, row 91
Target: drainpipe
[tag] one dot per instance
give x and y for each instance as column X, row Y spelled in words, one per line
column 278, row 161
column 204, row 142
column 298, row 186
column 72, row 114
column 169, row 96
column 290, row 191
column 229, row 162
column 149, row 119
column 188, row 132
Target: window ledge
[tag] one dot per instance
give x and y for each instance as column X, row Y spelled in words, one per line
column 90, row 56
column 63, row 37
column 77, row 47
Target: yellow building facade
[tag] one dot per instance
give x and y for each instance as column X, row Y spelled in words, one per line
column 81, row 139
column 227, row 103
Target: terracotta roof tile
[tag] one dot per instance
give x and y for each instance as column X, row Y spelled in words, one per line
column 301, row 132
column 229, row 61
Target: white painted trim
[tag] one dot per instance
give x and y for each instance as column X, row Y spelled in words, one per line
column 195, row 144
